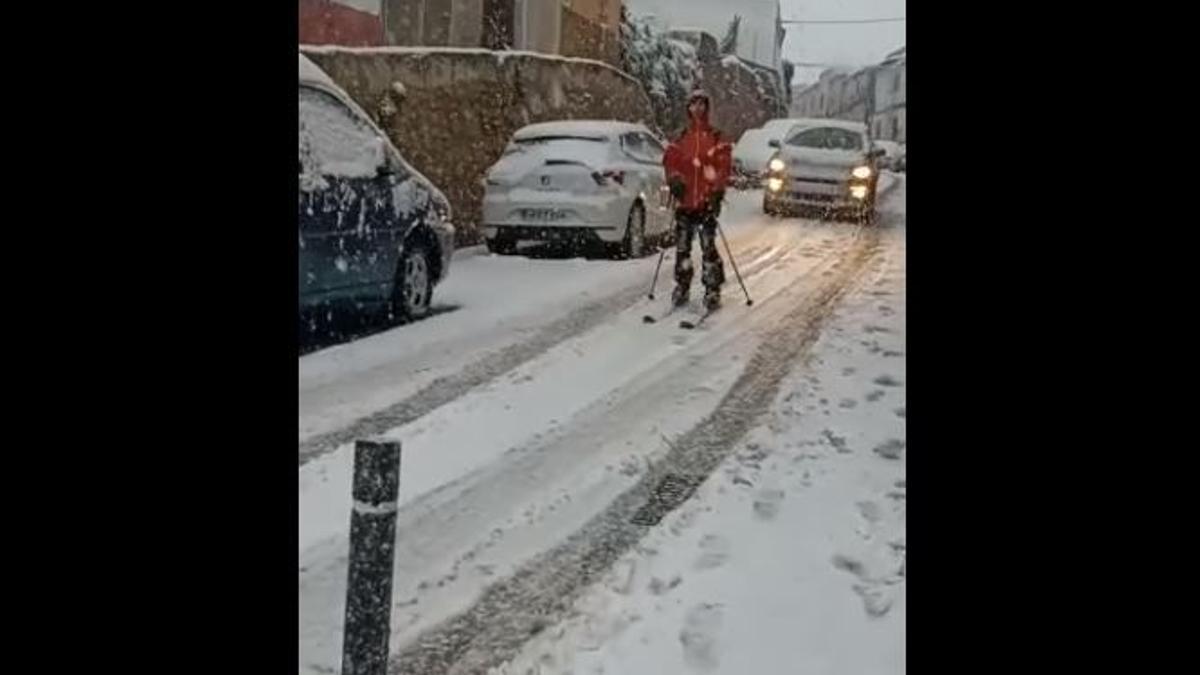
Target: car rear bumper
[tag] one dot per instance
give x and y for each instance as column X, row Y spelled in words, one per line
column 565, row 216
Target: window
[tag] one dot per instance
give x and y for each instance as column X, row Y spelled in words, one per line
column 334, row 141
column 654, row 142
column 634, row 144
column 895, row 128
column 642, row 147
column 827, row 138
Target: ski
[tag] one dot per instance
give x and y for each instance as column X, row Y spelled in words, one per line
column 648, row 318
column 692, row 325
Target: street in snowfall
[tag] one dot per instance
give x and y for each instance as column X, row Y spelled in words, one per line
column 583, row 492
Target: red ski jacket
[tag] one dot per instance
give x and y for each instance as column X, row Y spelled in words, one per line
column 702, row 160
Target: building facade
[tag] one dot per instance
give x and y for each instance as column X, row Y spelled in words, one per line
column 352, row 23
column 760, row 31
column 584, row 28
column 875, row 95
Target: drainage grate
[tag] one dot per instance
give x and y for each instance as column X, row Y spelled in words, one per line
column 670, row 492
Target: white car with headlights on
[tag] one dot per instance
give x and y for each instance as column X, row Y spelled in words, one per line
column 581, row 181
column 830, row 168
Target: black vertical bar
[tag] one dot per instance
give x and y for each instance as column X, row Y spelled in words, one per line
column 372, row 552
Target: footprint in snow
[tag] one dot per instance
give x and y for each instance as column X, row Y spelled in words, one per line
column 900, row 412
column 875, row 395
column 714, row 551
column 838, row 442
column 701, row 626
column 659, row 587
column 876, row 600
column 848, row 403
column 870, row 511
column 766, row 504
column 886, row 381
column 848, row 564
column 890, row 449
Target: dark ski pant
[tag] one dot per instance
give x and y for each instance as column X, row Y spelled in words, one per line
column 712, row 273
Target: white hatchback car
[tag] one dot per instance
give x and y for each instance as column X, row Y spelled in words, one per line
column 830, row 167
column 580, row 181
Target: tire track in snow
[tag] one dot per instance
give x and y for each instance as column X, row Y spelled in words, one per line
column 434, row 529
column 542, row 591
column 494, row 364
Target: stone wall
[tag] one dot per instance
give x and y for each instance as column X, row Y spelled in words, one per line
column 452, row 111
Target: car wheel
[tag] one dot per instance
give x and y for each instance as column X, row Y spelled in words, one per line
column 635, row 232
column 769, row 209
column 412, row 293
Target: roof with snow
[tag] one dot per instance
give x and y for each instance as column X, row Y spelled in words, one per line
column 896, row 56
column 309, row 72
column 596, row 128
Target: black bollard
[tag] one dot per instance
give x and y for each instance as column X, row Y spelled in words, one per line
column 372, row 551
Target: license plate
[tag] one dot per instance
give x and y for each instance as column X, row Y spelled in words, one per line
column 544, row 215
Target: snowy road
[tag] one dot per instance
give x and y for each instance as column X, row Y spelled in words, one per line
column 538, row 417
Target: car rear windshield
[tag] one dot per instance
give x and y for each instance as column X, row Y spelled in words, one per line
column 576, row 147
column 827, row 138
column 556, row 142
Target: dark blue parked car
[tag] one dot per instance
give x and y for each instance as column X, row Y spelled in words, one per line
column 374, row 233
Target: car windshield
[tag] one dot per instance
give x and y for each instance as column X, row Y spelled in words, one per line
column 827, row 138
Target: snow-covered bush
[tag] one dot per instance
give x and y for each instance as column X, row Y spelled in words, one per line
column 668, row 69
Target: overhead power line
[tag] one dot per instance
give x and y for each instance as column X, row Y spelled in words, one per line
column 891, row 19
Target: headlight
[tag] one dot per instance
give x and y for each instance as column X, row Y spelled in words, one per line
column 774, row 184
column 858, row 191
column 861, row 172
column 776, row 165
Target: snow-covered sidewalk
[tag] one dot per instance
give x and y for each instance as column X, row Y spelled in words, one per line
column 789, row 558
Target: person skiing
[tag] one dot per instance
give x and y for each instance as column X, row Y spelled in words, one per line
column 698, row 165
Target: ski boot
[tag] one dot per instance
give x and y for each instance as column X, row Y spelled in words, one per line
column 679, row 296
column 712, row 299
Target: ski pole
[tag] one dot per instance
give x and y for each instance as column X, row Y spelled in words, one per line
column 734, row 263
column 661, row 252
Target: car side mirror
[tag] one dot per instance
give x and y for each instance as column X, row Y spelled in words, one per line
column 379, row 154
column 774, row 143
column 876, row 153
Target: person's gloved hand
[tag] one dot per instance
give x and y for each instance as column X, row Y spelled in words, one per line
column 714, row 202
column 677, row 187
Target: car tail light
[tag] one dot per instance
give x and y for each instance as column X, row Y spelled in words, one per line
column 603, row 178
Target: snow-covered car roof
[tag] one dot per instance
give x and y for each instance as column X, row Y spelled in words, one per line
column 837, row 124
column 856, row 127
column 779, row 127
column 596, row 128
column 311, row 74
